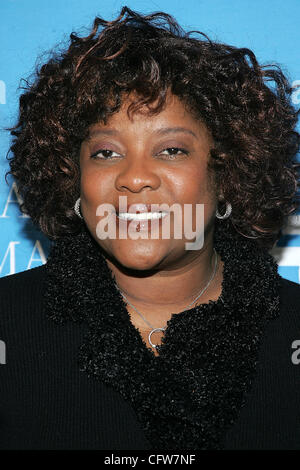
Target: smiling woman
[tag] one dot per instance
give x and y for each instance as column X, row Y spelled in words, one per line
column 134, row 341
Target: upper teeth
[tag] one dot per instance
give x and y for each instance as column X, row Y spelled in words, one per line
column 142, row 216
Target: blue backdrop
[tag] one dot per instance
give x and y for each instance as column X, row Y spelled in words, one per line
column 30, row 28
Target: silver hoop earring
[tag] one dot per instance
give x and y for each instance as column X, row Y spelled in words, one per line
column 227, row 213
column 77, row 208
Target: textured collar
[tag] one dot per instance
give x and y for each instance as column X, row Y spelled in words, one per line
column 188, row 396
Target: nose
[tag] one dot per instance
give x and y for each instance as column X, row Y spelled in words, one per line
column 136, row 175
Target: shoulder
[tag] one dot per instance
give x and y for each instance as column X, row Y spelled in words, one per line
column 21, row 289
column 289, row 294
column 23, row 278
column 284, row 329
column 289, row 286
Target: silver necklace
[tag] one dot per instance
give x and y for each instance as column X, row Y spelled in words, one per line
column 154, row 330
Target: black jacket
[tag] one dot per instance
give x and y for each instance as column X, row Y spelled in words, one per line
column 46, row 402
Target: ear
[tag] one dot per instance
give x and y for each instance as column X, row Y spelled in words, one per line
column 221, row 196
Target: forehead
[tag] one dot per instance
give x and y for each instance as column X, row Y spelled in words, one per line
column 175, row 113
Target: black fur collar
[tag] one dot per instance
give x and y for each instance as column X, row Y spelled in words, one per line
column 188, row 396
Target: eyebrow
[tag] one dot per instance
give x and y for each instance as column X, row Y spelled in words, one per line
column 161, row 131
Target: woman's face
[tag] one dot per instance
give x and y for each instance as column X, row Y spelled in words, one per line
column 150, row 160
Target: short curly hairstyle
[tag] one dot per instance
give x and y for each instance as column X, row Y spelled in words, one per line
column 253, row 126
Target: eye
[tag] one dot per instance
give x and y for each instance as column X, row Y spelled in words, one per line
column 174, row 151
column 104, row 154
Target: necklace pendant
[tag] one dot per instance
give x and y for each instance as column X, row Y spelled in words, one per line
column 151, row 333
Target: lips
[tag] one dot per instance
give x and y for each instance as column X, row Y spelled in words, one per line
column 139, row 208
column 140, row 211
column 143, row 216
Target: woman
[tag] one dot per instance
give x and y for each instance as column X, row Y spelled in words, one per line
column 142, row 343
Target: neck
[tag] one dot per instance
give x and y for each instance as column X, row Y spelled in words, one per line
column 171, row 289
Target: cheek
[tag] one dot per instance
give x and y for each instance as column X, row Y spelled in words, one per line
column 95, row 190
column 94, row 187
column 194, row 185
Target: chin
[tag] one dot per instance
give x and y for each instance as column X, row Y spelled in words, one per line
column 139, row 255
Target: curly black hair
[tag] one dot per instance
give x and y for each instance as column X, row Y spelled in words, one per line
column 252, row 125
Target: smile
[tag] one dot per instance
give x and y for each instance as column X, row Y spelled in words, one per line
column 142, row 216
